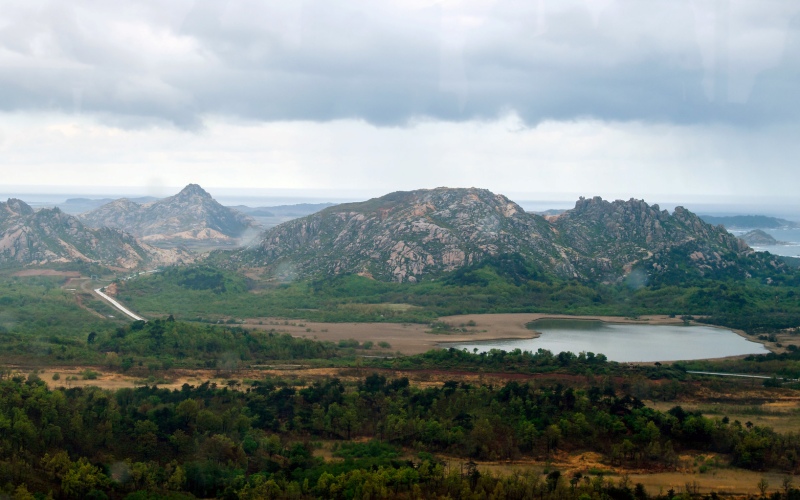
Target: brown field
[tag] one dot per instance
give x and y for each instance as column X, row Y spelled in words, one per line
column 47, row 272
column 407, row 338
column 782, row 415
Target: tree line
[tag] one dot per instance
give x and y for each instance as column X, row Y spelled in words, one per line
column 209, row 441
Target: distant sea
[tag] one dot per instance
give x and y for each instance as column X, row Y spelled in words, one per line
column 789, row 236
column 47, row 200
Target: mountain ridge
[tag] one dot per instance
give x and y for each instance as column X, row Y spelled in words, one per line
column 191, row 214
column 49, row 235
column 412, row 235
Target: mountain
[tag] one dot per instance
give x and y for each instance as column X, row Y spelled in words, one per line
column 750, row 222
column 51, row 236
column 757, row 237
column 407, row 236
column 76, row 206
column 606, row 239
column 191, row 214
column 269, row 217
column 297, row 210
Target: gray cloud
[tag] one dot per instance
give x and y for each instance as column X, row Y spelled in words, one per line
column 138, row 63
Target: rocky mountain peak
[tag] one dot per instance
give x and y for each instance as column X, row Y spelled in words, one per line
column 410, row 235
column 194, row 191
column 18, row 207
column 192, row 214
column 50, row 235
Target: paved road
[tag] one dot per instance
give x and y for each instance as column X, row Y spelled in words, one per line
column 736, row 375
column 99, row 291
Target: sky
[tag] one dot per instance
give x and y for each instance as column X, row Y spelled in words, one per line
column 546, row 99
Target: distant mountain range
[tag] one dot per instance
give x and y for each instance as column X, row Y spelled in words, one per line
column 749, row 222
column 402, row 236
column 269, row 217
column 408, row 236
column 192, row 214
column 76, row 206
column 50, row 236
column 298, row 210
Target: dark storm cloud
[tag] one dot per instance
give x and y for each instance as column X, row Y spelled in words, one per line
column 391, row 63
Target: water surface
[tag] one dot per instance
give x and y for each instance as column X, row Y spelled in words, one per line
column 627, row 342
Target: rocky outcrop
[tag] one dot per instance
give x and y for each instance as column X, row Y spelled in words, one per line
column 404, row 236
column 408, row 236
column 191, row 214
column 606, row 240
column 51, row 236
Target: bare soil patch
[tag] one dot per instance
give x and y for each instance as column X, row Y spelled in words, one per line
column 729, row 481
column 723, row 479
column 407, row 338
column 47, row 272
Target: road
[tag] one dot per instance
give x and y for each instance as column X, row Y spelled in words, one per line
column 99, row 291
column 737, row 375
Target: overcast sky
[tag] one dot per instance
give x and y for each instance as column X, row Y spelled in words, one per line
column 644, row 99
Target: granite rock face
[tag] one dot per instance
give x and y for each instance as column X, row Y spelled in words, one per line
column 191, row 214
column 409, row 236
column 606, row 239
column 51, row 236
column 404, row 236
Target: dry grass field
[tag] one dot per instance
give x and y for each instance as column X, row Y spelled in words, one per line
column 407, row 338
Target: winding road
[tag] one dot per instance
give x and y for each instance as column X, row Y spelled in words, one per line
column 99, row 291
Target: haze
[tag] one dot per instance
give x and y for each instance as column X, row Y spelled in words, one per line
column 667, row 101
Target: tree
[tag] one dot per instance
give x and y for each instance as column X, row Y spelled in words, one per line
column 762, row 485
column 787, row 485
column 552, row 436
column 81, row 478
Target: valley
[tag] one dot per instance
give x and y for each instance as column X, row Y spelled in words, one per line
column 320, row 355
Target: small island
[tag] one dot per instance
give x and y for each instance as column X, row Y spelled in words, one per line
column 757, row 237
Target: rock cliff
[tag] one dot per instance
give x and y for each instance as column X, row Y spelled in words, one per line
column 408, row 236
column 51, row 236
column 192, row 214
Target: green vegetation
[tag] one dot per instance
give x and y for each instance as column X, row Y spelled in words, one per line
column 784, row 365
column 207, row 441
column 503, row 284
column 40, row 320
column 211, row 346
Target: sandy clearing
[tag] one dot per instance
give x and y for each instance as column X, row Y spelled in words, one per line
column 408, row 338
column 719, row 479
column 175, row 378
column 47, row 272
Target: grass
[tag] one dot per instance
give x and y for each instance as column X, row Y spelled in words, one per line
column 784, row 418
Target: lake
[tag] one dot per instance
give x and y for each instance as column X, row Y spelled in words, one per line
column 626, row 342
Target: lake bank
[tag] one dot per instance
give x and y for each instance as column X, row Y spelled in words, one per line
column 629, row 341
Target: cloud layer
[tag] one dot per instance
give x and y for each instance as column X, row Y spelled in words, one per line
column 137, row 64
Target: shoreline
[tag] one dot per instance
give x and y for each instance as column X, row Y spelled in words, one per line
column 413, row 338
column 654, row 320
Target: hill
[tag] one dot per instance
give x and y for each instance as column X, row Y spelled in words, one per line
column 749, row 222
column 51, row 236
column 606, row 240
column 269, row 217
column 190, row 215
column 757, row 237
column 408, row 236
